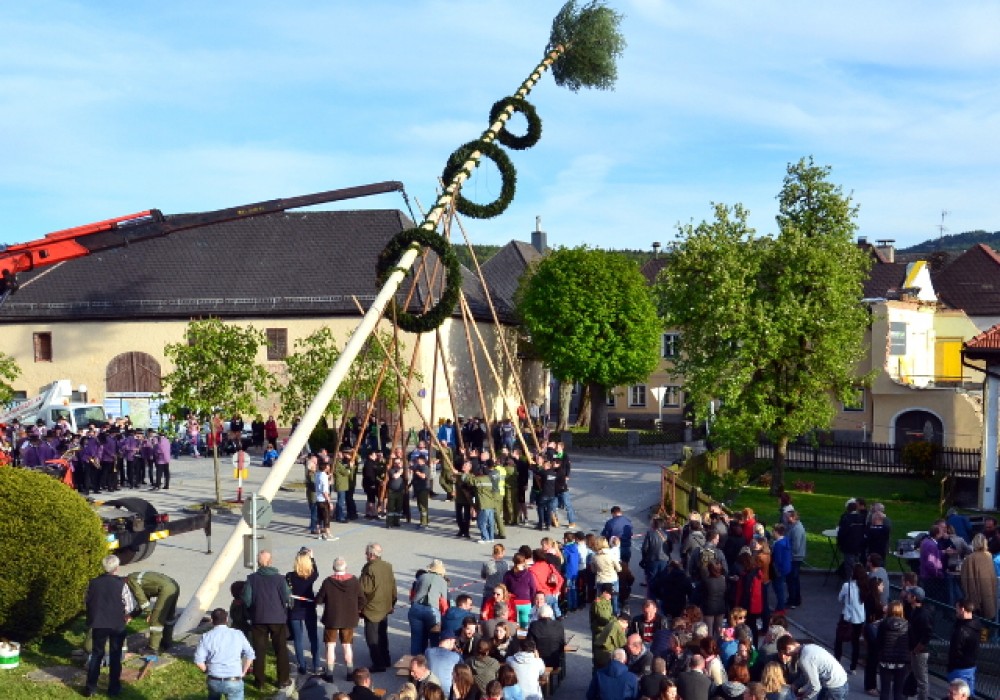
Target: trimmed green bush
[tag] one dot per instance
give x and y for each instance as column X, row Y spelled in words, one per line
column 51, row 545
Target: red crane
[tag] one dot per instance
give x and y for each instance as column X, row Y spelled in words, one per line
column 80, row 241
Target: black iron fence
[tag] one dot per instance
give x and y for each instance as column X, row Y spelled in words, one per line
column 872, row 458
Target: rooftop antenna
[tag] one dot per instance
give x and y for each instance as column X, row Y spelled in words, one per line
column 941, row 227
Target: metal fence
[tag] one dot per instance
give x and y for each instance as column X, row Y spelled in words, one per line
column 988, row 662
column 871, row 458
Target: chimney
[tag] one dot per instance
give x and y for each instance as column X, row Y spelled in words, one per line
column 886, row 249
column 656, row 249
column 862, row 240
column 538, row 238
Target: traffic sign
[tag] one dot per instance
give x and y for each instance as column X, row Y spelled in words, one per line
column 264, row 511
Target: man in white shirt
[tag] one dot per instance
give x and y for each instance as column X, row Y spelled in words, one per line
column 225, row 655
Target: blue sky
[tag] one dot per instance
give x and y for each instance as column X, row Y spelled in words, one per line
column 111, row 107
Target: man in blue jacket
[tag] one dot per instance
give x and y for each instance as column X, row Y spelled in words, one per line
column 614, row 681
column 781, row 560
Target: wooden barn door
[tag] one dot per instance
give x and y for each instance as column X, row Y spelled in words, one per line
column 133, row 372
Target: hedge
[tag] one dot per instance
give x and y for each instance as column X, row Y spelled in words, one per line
column 51, row 545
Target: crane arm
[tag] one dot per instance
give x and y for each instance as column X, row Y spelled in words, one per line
column 121, row 231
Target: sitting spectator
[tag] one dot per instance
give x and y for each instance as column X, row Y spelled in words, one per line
column 503, row 643
column 773, row 681
column 549, row 637
column 453, row 618
column 638, row 658
column 484, row 667
column 499, row 608
column 529, row 669
column 270, row 457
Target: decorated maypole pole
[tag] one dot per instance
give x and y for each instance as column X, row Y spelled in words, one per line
column 584, row 45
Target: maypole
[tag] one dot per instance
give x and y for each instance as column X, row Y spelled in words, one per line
column 583, row 47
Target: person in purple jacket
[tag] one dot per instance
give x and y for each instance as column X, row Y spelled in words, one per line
column 520, row 582
column 131, row 458
column 91, row 457
column 108, row 458
column 161, row 457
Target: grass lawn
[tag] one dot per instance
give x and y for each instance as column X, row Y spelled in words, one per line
column 911, row 504
column 180, row 680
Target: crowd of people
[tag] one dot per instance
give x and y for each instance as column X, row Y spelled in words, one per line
column 117, row 456
column 719, row 587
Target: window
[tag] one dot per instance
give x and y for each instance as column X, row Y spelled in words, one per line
column 277, row 344
column 671, row 397
column 43, row 347
column 637, row 395
column 670, row 345
column 857, row 401
column 609, row 399
column 897, row 338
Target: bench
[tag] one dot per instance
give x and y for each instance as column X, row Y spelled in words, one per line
column 550, row 680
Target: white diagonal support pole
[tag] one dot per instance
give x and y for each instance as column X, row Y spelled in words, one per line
column 230, row 554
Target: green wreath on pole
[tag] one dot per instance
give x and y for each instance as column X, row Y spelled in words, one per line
column 507, row 173
column 530, row 138
column 442, row 310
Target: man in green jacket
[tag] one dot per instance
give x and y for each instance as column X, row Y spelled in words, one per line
column 610, row 637
column 342, row 484
column 378, row 585
column 152, row 584
column 487, row 499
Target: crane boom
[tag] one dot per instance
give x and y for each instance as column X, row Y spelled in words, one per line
column 121, row 231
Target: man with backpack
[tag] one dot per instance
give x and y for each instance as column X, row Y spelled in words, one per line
column 701, row 557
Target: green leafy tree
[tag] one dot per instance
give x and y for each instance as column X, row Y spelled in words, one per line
column 9, row 371
column 773, row 328
column 592, row 319
column 51, row 544
column 216, row 370
column 310, row 364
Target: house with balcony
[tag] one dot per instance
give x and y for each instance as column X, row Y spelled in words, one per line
column 919, row 387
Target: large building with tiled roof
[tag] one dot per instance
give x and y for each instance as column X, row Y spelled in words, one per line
column 103, row 321
column 971, row 282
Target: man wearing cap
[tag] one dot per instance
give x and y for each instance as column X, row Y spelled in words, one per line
column 225, row 655
column 442, row 659
column 429, row 596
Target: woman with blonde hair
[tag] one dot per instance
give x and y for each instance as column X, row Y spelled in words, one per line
column 893, row 648
column 606, row 568
column 773, row 680
column 302, row 618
